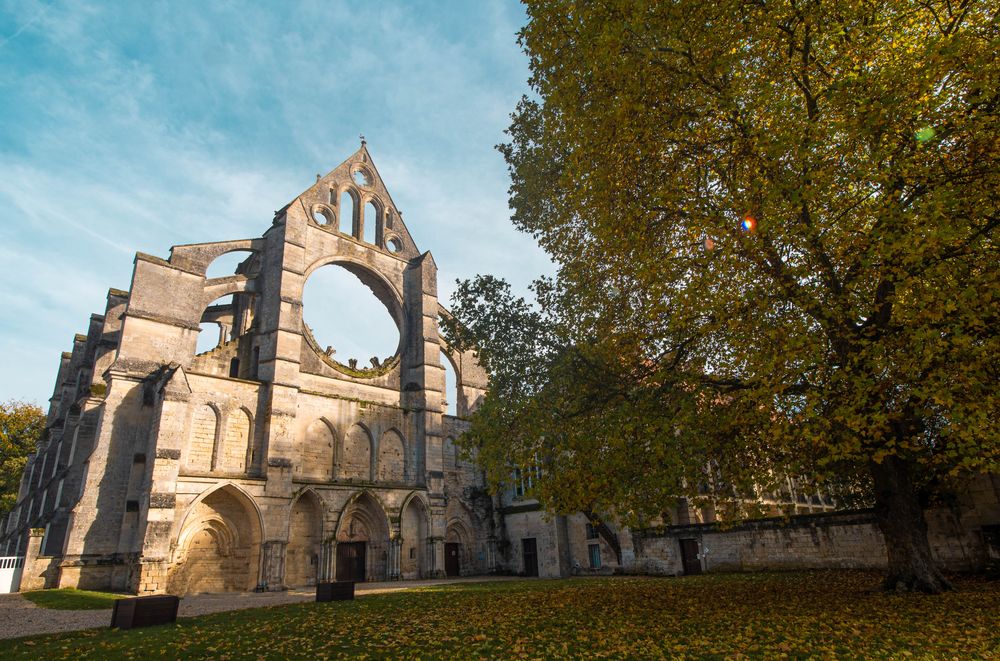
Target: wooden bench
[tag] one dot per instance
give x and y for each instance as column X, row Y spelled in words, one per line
column 335, row 591
column 145, row 611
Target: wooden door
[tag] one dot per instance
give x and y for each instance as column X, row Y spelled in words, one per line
column 530, row 556
column 452, row 563
column 351, row 561
column 689, row 556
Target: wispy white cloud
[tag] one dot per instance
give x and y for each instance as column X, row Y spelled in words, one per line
column 38, row 14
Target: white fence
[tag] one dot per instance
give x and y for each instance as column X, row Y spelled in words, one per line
column 11, row 567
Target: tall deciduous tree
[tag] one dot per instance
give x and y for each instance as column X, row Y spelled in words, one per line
column 21, row 427
column 775, row 231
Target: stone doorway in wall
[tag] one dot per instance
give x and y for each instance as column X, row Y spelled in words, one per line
column 363, row 541
column 351, row 561
column 530, row 551
column 689, row 556
column 452, row 559
column 457, row 547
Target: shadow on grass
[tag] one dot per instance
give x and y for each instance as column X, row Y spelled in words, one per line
column 68, row 599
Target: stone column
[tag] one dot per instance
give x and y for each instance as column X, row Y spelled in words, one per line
column 321, row 563
column 435, row 557
column 370, row 556
column 332, row 560
column 491, row 555
column 395, row 553
column 328, row 557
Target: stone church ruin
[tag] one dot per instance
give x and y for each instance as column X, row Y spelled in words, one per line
column 264, row 462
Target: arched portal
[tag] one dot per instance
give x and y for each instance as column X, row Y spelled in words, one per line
column 305, row 534
column 362, row 541
column 413, row 532
column 457, row 549
column 218, row 549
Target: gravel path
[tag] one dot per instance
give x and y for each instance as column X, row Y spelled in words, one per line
column 19, row 617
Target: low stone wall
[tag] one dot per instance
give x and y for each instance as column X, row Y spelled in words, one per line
column 848, row 540
column 92, row 573
column 966, row 536
column 960, row 539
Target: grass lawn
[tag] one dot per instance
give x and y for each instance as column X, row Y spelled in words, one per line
column 799, row 615
column 68, row 599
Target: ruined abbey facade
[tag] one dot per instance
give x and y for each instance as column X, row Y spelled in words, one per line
column 264, row 462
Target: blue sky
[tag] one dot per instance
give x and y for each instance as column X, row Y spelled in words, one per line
column 134, row 126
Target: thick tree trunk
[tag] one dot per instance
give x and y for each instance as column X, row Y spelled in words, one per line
column 901, row 519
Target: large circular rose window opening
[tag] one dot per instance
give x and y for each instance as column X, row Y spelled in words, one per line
column 352, row 318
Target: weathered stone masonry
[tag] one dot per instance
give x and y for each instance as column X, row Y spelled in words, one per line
column 265, row 461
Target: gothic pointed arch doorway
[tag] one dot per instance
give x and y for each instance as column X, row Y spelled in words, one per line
column 218, row 549
column 457, row 549
column 362, row 541
column 414, row 525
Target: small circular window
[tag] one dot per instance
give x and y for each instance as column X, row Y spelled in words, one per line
column 393, row 245
column 323, row 216
column 362, row 178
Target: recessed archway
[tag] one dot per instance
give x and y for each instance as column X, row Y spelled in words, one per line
column 355, row 460
column 362, row 540
column 219, row 545
column 316, row 452
column 413, row 533
column 391, row 465
column 305, row 533
column 200, row 452
column 450, row 454
column 458, row 548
